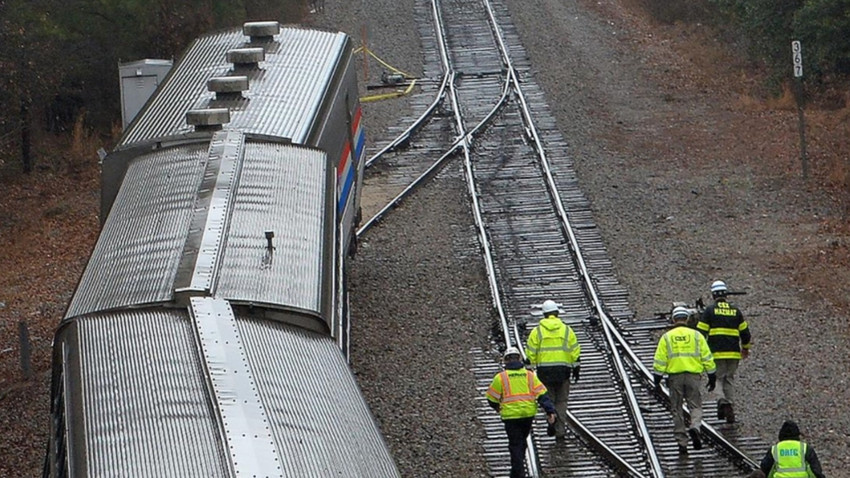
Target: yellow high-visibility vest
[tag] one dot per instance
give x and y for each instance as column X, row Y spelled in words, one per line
column 516, row 391
column 553, row 343
column 683, row 350
column 789, row 460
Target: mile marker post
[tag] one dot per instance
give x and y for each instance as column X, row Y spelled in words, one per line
column 26, row 349
column 797, row 56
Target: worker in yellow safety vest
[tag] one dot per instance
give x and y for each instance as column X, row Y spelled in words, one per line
column 683, row 355
column 791, row 457
column 554, row 352
column 515, row 393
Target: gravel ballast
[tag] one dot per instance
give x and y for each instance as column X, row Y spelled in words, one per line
column 682, row 190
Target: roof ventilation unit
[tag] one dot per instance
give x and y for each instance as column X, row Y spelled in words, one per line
column 226, row 87
column 246, row 56
column 208, row 119
column 261, row 31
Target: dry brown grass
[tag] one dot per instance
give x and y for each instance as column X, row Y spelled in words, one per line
column 748, row 102
column 84, row 143
column 716, row 62
column 785, row 101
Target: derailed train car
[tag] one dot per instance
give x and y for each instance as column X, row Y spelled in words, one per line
column 208, row 333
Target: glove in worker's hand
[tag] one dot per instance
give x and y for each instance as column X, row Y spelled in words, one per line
column 712, row 382
column 745, row 353
column 576, row 372
column 657, row 379
column 551, row 417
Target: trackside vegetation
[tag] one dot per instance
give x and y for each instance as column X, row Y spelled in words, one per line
column 765, row 28
column 59, row 58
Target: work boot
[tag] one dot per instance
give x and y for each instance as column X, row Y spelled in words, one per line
column 695, row 439
column 721, row 411
column 730, row 414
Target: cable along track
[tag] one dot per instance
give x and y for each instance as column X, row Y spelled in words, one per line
column 539, row 241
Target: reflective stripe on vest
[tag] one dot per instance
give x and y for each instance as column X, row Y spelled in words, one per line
column 519, row 396
column 722, row 331
column 564, row 347
column 680, row 361
column 789, row 460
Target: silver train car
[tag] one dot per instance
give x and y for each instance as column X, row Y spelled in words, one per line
column 208, row 334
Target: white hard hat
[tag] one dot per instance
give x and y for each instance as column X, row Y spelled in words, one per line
column 549, row 307
column 512, row 351
column 680, row 313
column 718, row 287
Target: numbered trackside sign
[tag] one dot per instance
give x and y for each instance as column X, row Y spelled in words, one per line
column 797, row 52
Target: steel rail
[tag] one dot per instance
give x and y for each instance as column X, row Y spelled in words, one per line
column 464, row 141
column 531, row 461
column 567, row 228
column 404, row 137
column 631, row 399
column 448, row 79
column 601, row 446
column 434, row 168
column 614, row 336
column 512, row 84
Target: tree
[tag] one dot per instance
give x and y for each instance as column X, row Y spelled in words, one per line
column 823, row 26
column 58, row 58
column 27, row 51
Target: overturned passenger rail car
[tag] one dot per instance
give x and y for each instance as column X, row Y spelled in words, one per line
column 208, row 335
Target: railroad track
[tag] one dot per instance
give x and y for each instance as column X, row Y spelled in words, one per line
column 539, row 241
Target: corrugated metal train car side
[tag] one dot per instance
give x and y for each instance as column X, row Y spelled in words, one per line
column 300, row 84
column 209, row 322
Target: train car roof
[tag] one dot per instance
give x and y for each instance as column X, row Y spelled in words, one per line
column 245, row 219
column 208, row 390
column 298, row 73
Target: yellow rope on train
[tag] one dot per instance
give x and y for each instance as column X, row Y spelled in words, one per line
column 395, row 94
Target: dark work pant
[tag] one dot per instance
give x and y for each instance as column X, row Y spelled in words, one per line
column 559, row 392
column 518, row 430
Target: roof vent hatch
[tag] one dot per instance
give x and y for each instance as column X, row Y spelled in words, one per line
column 228, row 87
column 261, row 31
column 208, row 119
column 246, row 56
